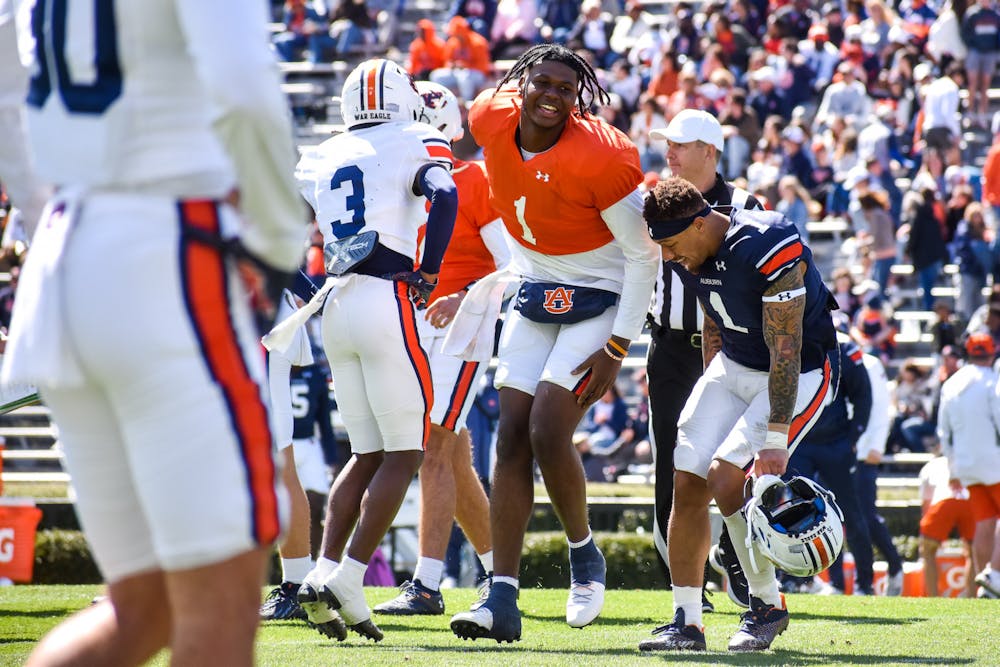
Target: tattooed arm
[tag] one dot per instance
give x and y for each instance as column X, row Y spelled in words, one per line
column 783, row 335
column 711, row 339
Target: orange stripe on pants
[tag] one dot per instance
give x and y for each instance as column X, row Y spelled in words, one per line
column 206, row 294
column 418, row 358
column 462, row 389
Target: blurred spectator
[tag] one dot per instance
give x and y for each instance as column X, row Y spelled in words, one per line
column 873, row 331
column 735, row 41
column 479, row 14
column 991, row 174
column 513, row 28
column 651, row 151
column 846, row 97
column 925, row 245
column 912, row 407
column 981, row 34
column 944, row 39
column 764, row 99
column 741, row 130
column 881, row 229
column 557, row 17
column 466, row 61
column 795, row 78
column 686, row 96
column 795, row 162
column 945, row 328
column 844, row 292
column 663, row 75
column 916, row 18
column 426, row 51
column 599, row 432
column 630, row 28
column 940, row 127
column 974, row 259
column 877, row 26
column 794, row 204
column 944, row 508
column 683, row 35
column 303, row 21
column 352, row 26
column 626, row 84
column 821, row 56
column 592, row 31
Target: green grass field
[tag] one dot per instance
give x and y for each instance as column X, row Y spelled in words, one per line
column 823, row 631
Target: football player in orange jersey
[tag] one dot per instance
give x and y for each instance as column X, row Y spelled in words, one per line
column 565, row 185
column 449, row 487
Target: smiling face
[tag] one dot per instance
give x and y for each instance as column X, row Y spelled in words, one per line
column 549, row 91
column 688, row 249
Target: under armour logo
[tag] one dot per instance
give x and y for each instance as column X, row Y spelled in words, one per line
column 558, row 300
column 541, row 176
column 784, row 296
column 720, row 265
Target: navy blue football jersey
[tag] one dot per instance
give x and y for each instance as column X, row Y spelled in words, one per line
column 759, row 248
column 311, row 405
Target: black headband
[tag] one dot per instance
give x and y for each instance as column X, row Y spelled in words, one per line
column 667, row 228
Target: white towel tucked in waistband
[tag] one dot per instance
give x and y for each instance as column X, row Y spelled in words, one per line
column 283, row 335
column 474, row 327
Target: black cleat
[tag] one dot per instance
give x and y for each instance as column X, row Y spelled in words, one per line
column 354, row 611
column 319, row 615
column 414, row 599
column 281, row 604
column 723, row 560
column 676, row 636
column 759, row 626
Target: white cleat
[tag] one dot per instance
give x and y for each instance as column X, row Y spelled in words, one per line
column 584, row 604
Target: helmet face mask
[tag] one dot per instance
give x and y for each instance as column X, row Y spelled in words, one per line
column 379, row 91
column 796, row 525
column 440, row 109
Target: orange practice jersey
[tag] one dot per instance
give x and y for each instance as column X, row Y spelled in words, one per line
column 552, row 202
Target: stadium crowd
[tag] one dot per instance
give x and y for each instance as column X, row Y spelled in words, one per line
column 871, row 119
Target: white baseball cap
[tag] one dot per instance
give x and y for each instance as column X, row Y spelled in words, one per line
column 691, row 125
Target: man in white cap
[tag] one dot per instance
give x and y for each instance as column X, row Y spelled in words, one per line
column 674, row 363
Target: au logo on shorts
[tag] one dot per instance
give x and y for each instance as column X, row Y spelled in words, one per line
column 558, row 300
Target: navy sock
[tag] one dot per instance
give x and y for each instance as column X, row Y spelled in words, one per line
column 586, row 563
column 503, row 593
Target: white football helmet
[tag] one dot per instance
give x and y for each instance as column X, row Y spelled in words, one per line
column 796, row 524
column 441, row 109
column 376, row 91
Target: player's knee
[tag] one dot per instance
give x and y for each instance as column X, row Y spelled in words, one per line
column 690, row 492
column 513, row 442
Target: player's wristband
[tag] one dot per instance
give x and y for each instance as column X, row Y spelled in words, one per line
column 617, row 347
column 612, row 353
column 775, row 440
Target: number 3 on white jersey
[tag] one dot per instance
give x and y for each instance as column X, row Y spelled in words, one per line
column 519, row 205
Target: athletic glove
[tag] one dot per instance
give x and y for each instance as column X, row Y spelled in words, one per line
column 419, row 289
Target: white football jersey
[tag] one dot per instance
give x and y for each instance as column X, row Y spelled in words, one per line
column 363, row 179
column 179, row 98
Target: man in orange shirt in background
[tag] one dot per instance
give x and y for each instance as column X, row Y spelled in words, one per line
column 466, row 60
column 991, row 172
column 426, row 51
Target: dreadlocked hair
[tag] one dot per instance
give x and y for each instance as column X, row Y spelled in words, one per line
column 587, row 86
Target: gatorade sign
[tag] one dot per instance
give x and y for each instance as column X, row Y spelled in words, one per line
column 17, row 541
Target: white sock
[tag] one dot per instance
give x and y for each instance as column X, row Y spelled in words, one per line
column 429, row 571
column 487, row 560
column 296, row 569
column 507, row 580
column 688, row 598
column 763, row 584
column 322, row 570
column 353, row 571
column 577, row 545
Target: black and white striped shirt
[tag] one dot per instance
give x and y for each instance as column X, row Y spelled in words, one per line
column 673, row 306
